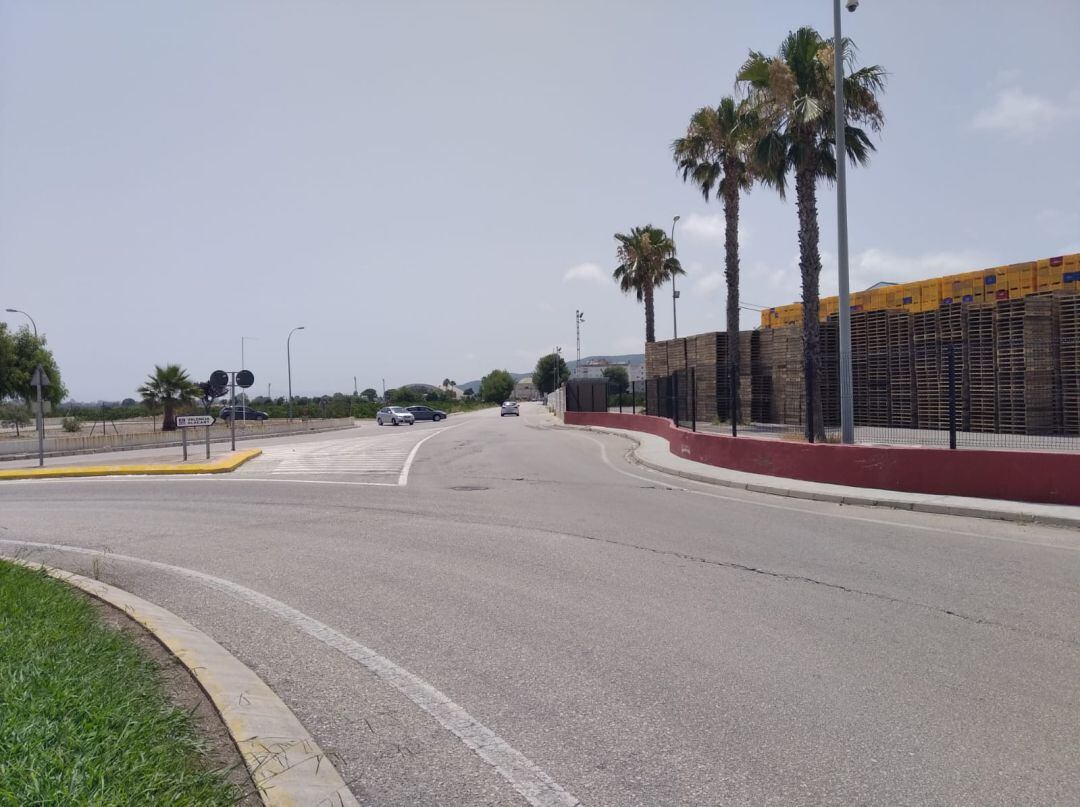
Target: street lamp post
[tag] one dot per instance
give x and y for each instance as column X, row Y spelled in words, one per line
column 847, row 419
column 674, row 294
column 32, row 323
column 288, row 361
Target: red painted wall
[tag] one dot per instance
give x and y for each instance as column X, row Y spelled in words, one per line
column 1028, row 476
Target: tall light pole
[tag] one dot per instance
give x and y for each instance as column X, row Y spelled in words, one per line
column 847, row 410
column 674, row 293
column 288, row 362
column 579, row 318
column 32, row 323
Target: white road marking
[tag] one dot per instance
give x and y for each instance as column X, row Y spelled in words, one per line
column 821, row 513
column 539, row 789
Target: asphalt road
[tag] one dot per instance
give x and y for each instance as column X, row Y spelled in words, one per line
column 528, row 618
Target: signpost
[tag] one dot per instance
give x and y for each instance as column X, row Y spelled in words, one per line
column 235, row 378
column 39, row 379
column 187, row 421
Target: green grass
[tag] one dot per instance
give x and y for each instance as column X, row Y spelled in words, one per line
column 84, row 717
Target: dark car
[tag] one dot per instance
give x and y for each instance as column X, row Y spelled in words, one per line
column 427, row 413
column 242, row 413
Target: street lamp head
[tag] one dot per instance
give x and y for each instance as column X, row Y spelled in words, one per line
column 851, row 5
column 299, row 327
column 11, row 310
column 675, row 219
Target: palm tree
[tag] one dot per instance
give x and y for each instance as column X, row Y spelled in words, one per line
column 716, row 155
column 648, row 259
column 793, row 92
column 168, row 387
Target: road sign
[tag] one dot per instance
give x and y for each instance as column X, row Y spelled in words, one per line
column 219, row 379
column 40, row 378
column 185, row 421
column 245, row 378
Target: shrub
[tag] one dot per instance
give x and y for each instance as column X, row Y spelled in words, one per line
column 71, row 424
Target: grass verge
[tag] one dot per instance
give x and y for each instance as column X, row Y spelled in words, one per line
column 84, row 716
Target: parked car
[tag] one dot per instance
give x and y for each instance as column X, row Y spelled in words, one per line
column 509, row 408
column 242, row 413
column 426, row 413
column 394, row 415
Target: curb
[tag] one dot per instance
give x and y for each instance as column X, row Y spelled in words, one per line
column 863, row 500
column 222, row 465
column 285, row 763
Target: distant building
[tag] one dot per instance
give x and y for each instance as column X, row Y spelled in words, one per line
column 525, row 390
column 594, row 368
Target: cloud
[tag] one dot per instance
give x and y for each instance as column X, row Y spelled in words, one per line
column 709, row 283
column 1017, row 113
column 630, row 344
column 585, row 271
column 868, row 267
column 710, row 229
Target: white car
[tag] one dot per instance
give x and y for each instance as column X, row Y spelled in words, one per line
column 394, row 415
column 509, row 408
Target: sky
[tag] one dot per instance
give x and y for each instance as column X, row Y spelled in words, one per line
column 432, row 188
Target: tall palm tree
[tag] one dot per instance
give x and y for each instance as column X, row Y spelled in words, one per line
column 647, row 260
column 793, row 92
column 716, row 155
column 168, row 387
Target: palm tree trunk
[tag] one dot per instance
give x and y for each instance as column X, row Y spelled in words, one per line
column 168, row 418
column 730, row 192
column 650, row 316
column 810, row 269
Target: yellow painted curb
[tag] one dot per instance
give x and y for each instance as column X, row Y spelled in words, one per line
column 286, row 764
column 223, row 465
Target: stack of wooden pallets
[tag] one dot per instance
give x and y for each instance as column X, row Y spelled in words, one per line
column 829, row 385
column 762, row 366
column 981, row 372
column 930, row 405
column 951, row 336
column 860, row 351
column 1025, row 366
column 877, row 368
column 900, row 370
column 1068, row 322
column 702, row 349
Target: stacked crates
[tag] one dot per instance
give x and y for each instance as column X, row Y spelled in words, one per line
column 1025, row 360
column 1068, row 322
column 900, row 370
column 997, row 284
column 926, row 358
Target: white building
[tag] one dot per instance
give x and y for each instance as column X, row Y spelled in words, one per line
column 594, row 368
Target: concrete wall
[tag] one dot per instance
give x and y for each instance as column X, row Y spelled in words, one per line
column 1029, row 476
column 119, row 442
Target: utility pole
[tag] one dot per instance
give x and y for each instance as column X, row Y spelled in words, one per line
column 579, row 318
column 847, row 409
column 674, row 294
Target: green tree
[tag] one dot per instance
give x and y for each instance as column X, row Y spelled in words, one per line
column 369, row 394
column 16, row 415
column 470, row 392
column 617, row 377
column 717, row 155
column 647, row 260
column 20, row 353
column 793, row 94
column 496, row 386
column 168, row 387
column 544, row 374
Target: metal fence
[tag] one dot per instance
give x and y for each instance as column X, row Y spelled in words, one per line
column 1015, row 385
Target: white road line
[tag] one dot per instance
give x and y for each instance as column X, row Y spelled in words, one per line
column 403, row 479
column 539, row 789
column 820, row 513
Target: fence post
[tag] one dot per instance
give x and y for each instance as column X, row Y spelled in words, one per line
column 693, row 399
column 620, row 399
column 732, row 399
column 633, row 397
column 952, row 395
column 675, row 397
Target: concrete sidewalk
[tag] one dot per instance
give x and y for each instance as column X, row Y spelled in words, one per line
column 653, row 452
